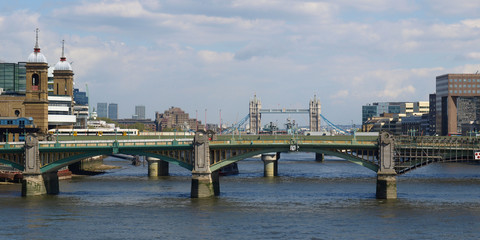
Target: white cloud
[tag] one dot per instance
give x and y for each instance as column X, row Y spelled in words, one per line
column 112, row 8
column 212, row 57
column 146, row 51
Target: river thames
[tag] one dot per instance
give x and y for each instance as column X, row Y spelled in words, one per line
column 308, row 200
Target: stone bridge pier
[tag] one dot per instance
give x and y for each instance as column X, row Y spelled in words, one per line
column 34, row 181
column 205, row 183
column 270, row 161
column 157, row 167
column 386, row 175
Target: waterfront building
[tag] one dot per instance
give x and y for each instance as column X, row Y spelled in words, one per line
column 113, row 111
column 102, row 110
column 81, row 113
column 176, row 118
column 139, row 112
column 457, row 102
column 33, row 90
column 376, row 109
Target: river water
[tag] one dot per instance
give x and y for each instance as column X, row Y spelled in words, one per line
column 308, row 200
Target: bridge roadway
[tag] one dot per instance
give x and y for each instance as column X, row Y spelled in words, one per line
column 206, row 153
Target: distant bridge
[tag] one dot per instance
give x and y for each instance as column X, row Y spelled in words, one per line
column 204, row 155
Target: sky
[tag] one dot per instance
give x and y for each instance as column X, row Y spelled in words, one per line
column 213, row 56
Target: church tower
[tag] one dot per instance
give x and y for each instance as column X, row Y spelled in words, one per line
column 36, row 98
column 63, row 76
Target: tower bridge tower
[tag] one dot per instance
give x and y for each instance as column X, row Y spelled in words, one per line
column 255, row 116
column 314, row 113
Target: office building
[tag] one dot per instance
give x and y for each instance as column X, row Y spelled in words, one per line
column 457, row 102
column 376, row 109
column 113, row 111
column 102, row 110
column 80, row 97
column 139, row 112
column 13, row 77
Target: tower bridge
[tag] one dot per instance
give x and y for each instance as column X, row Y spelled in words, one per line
column 387, row 155
column 255, row 114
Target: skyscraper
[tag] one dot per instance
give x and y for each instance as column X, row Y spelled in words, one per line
column 113, row 111
column 140, row 112
column 102, row 110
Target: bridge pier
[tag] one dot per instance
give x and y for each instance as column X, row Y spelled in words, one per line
column 204, row 182
column 386, row 186
column 386, row 174
column 157, row 167
column 33, row 185
column 270, row 161
column 34, row 182
column 319, row 157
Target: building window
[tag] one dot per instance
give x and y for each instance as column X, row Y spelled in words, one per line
column 469, row 86
column 35, row 81
column 469, row 91
column 469, row 80
column 455, row 91
column 464, row 85
column 455, row 80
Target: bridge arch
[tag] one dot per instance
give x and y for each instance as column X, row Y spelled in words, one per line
column 161, row 157
column 345, row 156
column 12, row 164
column 55, row 166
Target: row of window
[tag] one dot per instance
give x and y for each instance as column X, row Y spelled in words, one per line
column 464, row 91
column 465, row 80
column 465, row 85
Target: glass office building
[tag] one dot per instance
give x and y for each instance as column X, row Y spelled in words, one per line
column 113, row 111
column 13, row 77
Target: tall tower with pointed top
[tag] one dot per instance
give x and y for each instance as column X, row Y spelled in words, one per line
column 314, row 112
column 63, row 76
column 255, row 116
column 36, row 97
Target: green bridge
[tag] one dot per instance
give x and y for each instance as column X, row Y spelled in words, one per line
column 206, row 153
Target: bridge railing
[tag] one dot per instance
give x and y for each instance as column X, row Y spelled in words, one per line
column 121, row 143
column 10, row 145
column 464, row 143
column 294, row 141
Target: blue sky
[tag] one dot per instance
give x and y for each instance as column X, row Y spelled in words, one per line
column 217, row 54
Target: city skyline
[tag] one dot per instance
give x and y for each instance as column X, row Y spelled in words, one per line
column 219, row 55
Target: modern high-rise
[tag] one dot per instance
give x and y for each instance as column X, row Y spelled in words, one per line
column 113, row 111
column 140, row 112
column 102, row 110
column 457, row 102
column 13, row 77
column 79, row 97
